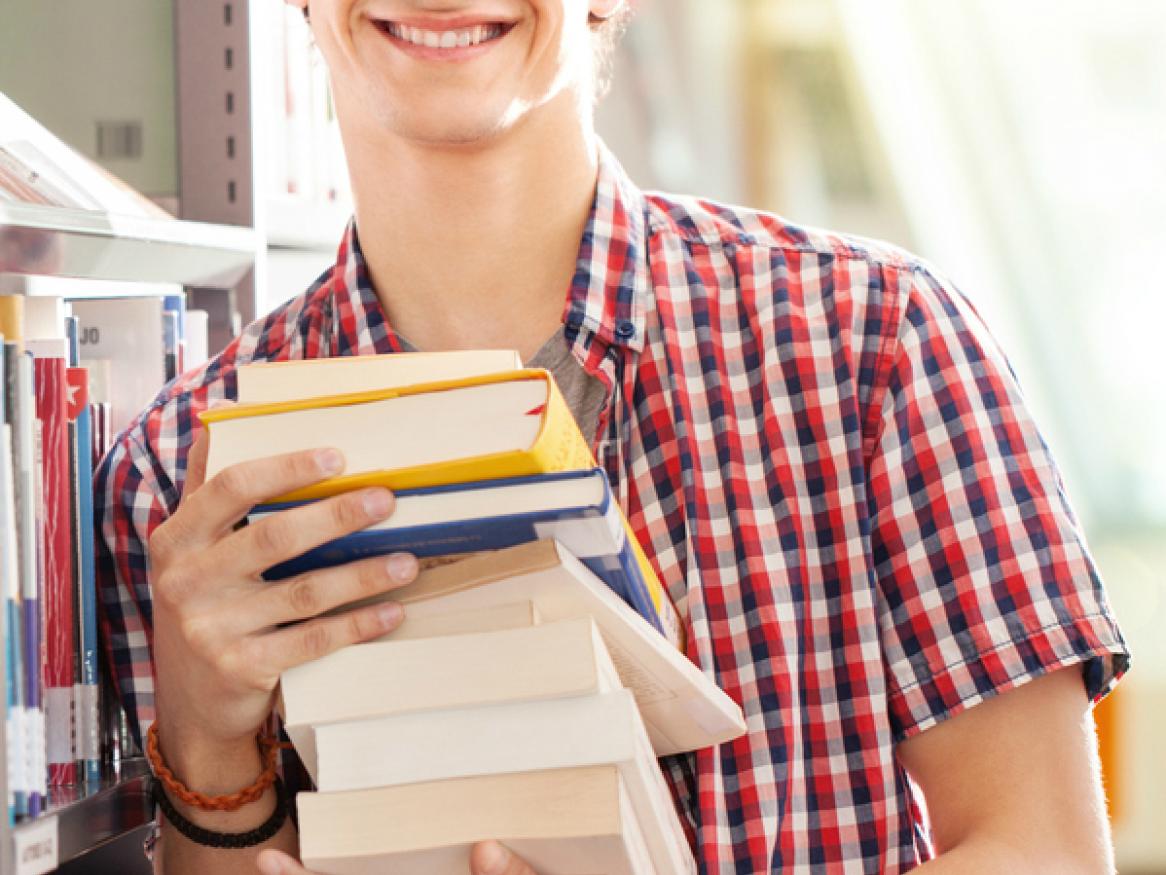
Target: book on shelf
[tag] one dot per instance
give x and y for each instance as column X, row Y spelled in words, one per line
column 52, row 435
column 86, row 688
column 488, row 427
column 50, row 356
column 18, row 783
column 126, row 332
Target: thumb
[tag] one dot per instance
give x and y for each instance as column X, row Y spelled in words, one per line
column 272, row 862
column 491, row 858
column 196, row 457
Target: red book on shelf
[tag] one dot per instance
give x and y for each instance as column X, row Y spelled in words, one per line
column 57, row 604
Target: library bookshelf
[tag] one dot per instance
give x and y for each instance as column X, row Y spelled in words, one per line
column 83, row 254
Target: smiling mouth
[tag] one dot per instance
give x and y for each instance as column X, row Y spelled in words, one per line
column 453, row 38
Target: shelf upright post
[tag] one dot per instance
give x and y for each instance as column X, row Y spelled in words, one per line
column 5, row 829
column 216, row 156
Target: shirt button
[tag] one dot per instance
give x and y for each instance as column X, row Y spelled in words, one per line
column 625, row 329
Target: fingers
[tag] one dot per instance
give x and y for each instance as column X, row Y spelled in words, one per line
column 278, row 651
column 196, row 464
column 272, row 862
column 285, row 535
column 317, row 592
column 491, row 858
column 228, row 496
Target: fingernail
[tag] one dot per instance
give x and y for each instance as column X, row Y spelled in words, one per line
column 269, row 864
column 378, row 503
column 390, row 614
column 402, row 567
column 492, row 859
column 330, row 461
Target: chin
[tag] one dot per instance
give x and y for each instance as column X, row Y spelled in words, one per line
column 449, row 126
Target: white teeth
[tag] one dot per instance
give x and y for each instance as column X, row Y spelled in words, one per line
column 446, row 39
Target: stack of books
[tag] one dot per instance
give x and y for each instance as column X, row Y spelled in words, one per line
column 538, row 673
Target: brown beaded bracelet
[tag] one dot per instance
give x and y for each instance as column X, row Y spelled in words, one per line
column 268, row 748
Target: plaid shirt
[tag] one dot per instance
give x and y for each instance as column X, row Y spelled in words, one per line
column 828, row 460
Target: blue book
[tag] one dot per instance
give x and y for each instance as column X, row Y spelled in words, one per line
column 86, row 716
column 10, row 622
column 23, row 419
column 575, row 508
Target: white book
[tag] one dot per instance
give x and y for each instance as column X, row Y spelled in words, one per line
column 273, row 382
column 683, row 707
column 127, row 332
column 562, row 822
column 499, row 739
column 388, row 677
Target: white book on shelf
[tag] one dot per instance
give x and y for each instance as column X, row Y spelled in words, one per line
column 126, row 332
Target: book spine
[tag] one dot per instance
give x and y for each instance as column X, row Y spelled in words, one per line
column 452, row 538
column 646, row 593
column 58, row 590
column 18, row 780
column 86, row 688
column 26, row 494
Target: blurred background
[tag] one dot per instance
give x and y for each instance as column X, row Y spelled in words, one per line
column 1017, row 146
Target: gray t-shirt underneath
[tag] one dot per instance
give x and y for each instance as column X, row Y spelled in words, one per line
column 583, row 393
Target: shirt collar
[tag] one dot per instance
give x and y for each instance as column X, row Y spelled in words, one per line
column 605, row 299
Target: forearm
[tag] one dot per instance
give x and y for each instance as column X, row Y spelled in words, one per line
column 1004, row 857
column 213, row 771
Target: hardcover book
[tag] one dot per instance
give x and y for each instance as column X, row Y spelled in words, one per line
column 512, row 424
column 575, row 508
column 486, row 428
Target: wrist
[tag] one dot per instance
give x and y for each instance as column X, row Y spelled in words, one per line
column 208, row 764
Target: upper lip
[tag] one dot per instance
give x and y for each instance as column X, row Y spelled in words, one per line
column 444, row 22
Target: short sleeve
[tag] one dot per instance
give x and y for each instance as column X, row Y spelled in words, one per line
column 984, row 578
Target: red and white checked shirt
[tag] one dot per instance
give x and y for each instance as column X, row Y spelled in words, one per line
column 827, row 458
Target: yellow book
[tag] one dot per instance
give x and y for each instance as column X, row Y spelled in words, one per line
column 487, row 427
column 510, row 424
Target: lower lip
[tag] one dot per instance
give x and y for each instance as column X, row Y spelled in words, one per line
column 430, row 53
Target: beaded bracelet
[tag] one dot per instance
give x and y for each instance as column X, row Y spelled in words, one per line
column 228, row 840
column 269, row 748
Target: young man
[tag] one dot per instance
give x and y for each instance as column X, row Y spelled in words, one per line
column 814, row 438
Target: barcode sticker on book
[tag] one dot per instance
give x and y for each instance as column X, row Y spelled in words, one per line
column 35, row 847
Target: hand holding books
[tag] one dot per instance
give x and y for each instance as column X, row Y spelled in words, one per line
column 219, row 647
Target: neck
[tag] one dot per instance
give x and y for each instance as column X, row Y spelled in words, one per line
column 474, row 246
